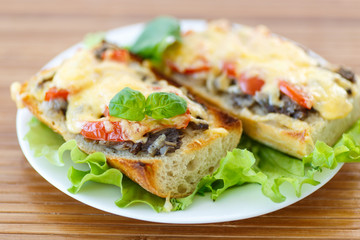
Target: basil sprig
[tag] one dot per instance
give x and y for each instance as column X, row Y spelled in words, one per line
column 128, row 104
column 156, row 37
column 131, row 105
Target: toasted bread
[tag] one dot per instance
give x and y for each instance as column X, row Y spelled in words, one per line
column 260, row 61
column 173, row 174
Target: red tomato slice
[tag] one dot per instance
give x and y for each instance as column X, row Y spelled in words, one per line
column 117, row 134
column 187, row 117
column 54, row 93
column 192, row 70
column 119, row 55
column 250, row 85
column 203, row 66
column 296, row 94
column 229, row 69
column 94, row 130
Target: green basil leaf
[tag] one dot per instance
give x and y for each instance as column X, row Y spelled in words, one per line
column 164, row 105
column 157, row 36
column 128, row 104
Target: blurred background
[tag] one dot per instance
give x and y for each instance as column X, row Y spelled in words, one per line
column 329, row 27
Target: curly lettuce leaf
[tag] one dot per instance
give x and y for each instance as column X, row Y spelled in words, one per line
column 271, row 168
column 268, row 167
column 235, row 169
column 44, row 142
column 100, row 172
column 278, row 168
column 254, row 163
column 347, row 149
column 134, row 193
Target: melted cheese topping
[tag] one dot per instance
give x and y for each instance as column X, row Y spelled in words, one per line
column 93, row 83
column 256, row 52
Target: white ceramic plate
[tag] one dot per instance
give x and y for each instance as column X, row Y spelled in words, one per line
column 235, row 204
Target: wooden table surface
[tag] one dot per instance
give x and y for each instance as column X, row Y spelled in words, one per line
column 32, row 32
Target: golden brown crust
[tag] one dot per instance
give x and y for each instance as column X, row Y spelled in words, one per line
column 296, row 142
column 140, row 171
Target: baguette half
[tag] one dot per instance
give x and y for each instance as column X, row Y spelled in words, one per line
column 260, row 62
column 291, row 136
column 174, row 174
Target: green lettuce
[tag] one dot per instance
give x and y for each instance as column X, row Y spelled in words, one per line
column 251, row 162
column 347, row 149
column 267, row 167
column 44, row 142
column 257, row 163
column 100, row 172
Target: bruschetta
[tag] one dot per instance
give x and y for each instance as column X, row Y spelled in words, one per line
column 286, row 96
column 166, row 156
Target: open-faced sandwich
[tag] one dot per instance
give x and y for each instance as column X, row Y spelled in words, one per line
column 287, row 97
column 152, row 131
